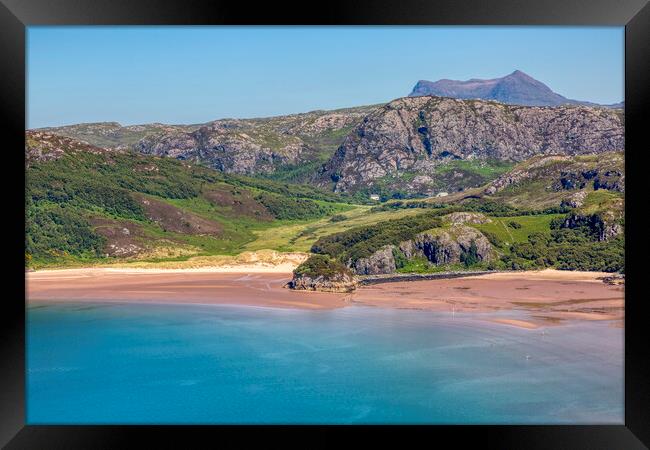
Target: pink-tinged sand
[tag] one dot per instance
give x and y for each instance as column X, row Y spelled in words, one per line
column 546, row 297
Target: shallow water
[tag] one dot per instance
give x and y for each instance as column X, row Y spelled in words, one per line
column 131, row 363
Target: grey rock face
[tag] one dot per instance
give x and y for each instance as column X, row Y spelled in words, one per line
column 41, row 146
column 228, row 152
column 243, row 146
column 563, row 173
column 446, row 247
column 575, row 200
column 380, row 262
column 519, row 175
column 416, row 134
column 459, row 218
column 605, row 225
column 338, row 283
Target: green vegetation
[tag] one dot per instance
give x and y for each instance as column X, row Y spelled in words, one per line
column 485, row 169
column 321, row 265
column 451, row 176
column 415, row 265
column 499, row 233
column 287, row 208
column 67, row 196
column 482, row 205
column 575, row 248
column 470, row 257
column 601, row 200
column 567, row 249
column 56, row 231
column 288, row 189
column 361, row 242
column 300, row 236
column 338, row 218
column 420, row 264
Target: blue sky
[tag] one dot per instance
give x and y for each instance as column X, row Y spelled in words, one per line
column 197, row 74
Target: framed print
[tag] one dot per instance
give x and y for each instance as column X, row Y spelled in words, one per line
column 418, row 218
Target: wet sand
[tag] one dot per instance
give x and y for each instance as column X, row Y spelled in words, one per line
column 546, row 297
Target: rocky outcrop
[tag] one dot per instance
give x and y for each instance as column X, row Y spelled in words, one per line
column 614, row 280
column 558, row 173
column 417, row 134
column 445, row 246
column 242, row 146
column 322, row 273
column 221, row 147
column 340, row 282
column 519, row 175
column 41, row 147
column 459, row 218
column 380, row 262
column 612, row 180
column 604, row 226
column 575, row 200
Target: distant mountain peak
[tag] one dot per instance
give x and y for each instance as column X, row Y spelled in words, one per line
column 516, row 88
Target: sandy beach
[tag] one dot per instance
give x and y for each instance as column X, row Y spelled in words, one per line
column 546, row 297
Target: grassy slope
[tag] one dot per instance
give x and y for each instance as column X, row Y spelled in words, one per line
column 501, row 228
column 301, row 236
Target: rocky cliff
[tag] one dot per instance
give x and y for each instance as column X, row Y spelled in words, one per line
column 339, row 283
column 382, row 261
column 440, row 246
column 447, row 246
column 406, row 142
column 243, row 146
column 565, row 173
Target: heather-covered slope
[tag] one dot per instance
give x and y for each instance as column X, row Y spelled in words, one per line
column 86, row 204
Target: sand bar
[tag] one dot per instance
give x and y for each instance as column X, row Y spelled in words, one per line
column 546, row 297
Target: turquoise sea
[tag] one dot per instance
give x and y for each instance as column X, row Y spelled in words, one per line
column 130, row 363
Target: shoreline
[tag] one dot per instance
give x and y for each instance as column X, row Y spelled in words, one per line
column 546, row 298
column 226, row 268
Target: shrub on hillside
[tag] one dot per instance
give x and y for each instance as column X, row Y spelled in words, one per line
column 338, row 218
column 284, row 208
column 321, row 265
column 56, row 230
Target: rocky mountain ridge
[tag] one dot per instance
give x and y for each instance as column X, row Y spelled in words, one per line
column 240, row 146
column 406, row 142
column 516, row 88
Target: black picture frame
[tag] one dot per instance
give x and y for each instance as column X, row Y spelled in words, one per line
column 15, row 15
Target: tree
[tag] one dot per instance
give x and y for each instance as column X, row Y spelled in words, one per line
column 470, row 257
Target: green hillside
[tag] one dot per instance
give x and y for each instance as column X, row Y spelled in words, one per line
column 86, row 205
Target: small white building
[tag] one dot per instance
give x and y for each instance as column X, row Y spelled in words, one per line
column 374, row 197
column 442, row 194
